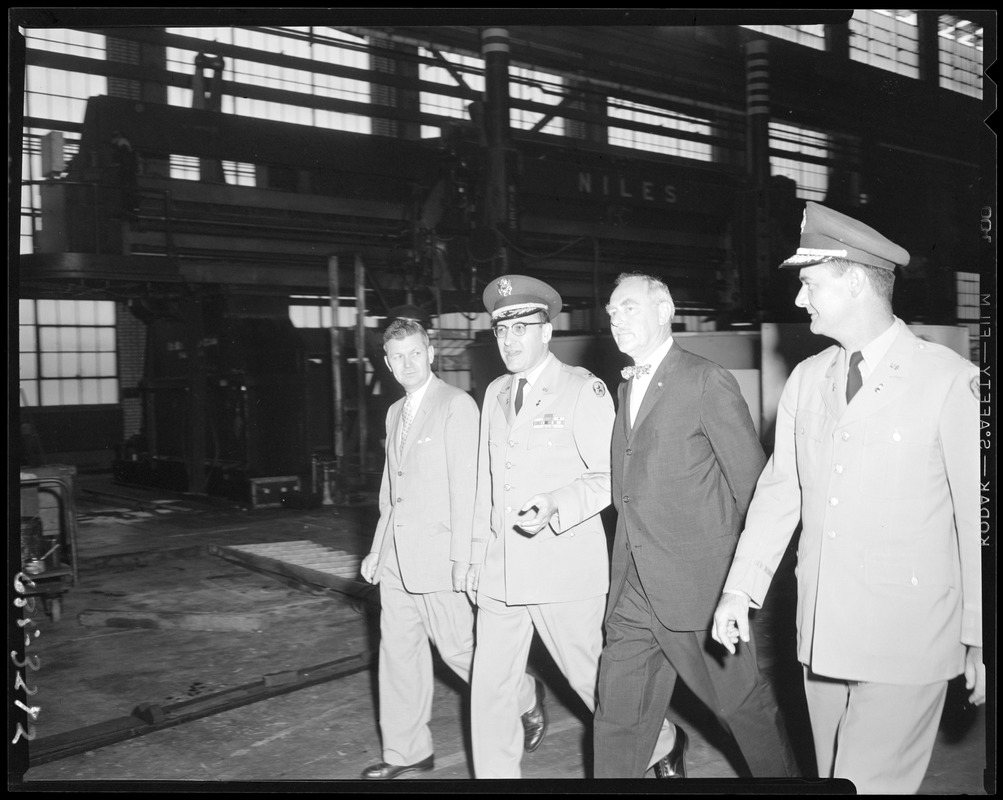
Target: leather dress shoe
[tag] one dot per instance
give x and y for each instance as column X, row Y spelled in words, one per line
column 534, row 721
column 384, row 771
column 673, row 764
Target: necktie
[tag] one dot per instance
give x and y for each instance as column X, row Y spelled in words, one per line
column 406, row 424
column 629, row 372
column 518, row 394
column 853, row 377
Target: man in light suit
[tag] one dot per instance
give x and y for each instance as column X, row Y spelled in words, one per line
column 877, row 455
column 420, row 551
column 538, row 559
column 685, row 460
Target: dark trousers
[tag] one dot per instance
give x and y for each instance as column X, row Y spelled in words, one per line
column 637, row 674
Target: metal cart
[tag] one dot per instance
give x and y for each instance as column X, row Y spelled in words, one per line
column 48, row 542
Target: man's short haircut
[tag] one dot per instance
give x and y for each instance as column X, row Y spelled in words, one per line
column 655, row 286
column 883, row 280
column 401, row 329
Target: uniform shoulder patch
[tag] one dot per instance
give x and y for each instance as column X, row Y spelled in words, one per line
column 599, row 388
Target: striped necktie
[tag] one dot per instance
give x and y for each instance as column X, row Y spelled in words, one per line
column 406, row 423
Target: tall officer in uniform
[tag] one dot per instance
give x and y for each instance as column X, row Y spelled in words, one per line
column 877, row 455
column 685, row 461
column 539, row 557
column 420, row 551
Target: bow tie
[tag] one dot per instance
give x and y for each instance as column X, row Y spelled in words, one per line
column 629, row 372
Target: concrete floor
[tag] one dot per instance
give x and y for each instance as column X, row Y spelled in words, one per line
column 199, row 626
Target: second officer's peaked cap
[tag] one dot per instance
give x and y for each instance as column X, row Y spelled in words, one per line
column 512, row 296
column 828, row 234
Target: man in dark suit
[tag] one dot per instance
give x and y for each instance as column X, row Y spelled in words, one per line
column 685, row 460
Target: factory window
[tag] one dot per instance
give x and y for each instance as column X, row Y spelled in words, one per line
column 967, row 294
column 960, row 55
column 55, row 94
column 320, row 45
column 666, row 143
column 524, row 85
column 53, row 97
column 472, row 72
column 886, row 38
column 808, row 35
column 185, row 168
column 31, row 171
column 535, row 87
column 809, row 169
column 67, row 41
column 313, row 311
column 67, row 352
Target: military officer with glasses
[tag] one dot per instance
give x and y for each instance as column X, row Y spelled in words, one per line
column 538, row 558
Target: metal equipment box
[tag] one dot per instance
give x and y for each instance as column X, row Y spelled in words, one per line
column 269, row 492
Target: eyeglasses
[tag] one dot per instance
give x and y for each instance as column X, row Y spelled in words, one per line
column 518, row 329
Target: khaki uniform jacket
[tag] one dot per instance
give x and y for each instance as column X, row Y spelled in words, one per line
column 427, row 491
column 887, row 488
column 558, row 443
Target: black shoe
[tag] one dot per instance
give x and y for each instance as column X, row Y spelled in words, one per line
column 673, row 764
column 384, row 771
column 534, row 721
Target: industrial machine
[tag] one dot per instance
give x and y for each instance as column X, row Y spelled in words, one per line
column 231, row 390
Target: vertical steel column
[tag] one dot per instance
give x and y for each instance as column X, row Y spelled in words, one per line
column 338, row 427
column 495, row 47
column 360, row 360
column 193, row 311
column 757, row 100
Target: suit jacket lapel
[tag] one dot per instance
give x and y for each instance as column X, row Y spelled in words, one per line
column 656, row 387
column 832, row 387
column 506, row 399
column 623, row 408
column 419, row 416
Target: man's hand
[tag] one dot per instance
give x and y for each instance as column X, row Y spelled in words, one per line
column 731, row 621
column 975, row 676
column 536, row 513
column 460, row 575
column 368, row 567
column 472, row 582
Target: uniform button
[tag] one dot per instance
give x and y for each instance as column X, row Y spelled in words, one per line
column 896, row 437
column 831, row 534
column 833, row 501
column 839, row 469
column 508, row 486
column 399, row 472
column 399, row 500
column 508, row 509
column 845, row 436
column 626, row 498
column 914, row 581
column 511, row 443
column 508, row 465
column 629, row 452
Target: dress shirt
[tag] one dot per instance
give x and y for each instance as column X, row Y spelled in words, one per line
column 639, row 383
column 876, row 349
column 531, row 378
column 415, row 399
